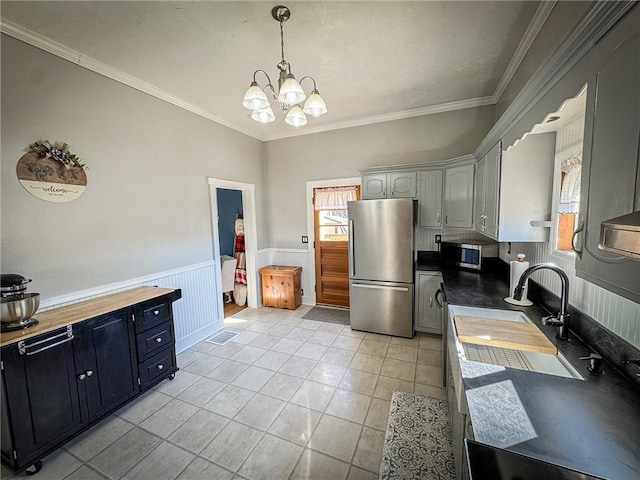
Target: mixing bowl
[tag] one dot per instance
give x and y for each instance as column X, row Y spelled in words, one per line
column 19, row 308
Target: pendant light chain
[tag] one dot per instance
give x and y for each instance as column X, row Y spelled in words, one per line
column 282, row 41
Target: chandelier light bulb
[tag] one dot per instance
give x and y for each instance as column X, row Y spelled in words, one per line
column 296, row 117
column 255, row 99
column 315, row 105
column 264, row 115
column 291, row 92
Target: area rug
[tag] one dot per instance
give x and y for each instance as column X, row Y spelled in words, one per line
column 325, row 314
column 417, row 443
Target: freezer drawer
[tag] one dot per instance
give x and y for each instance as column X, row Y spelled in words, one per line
column 382, row 307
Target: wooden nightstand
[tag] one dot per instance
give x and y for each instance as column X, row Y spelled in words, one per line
column 281, row 286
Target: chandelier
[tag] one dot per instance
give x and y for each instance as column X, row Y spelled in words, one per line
column 290, row 94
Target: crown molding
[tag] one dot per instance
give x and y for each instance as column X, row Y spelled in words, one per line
column 387, row 117
column 412, row 167
column 20, row 33
column 592, row 27
column 541, row 15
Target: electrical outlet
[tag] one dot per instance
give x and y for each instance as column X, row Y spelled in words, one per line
column 438, row 238
column 305, row 239
column 302, row 291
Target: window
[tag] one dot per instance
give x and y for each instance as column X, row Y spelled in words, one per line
column 569, row 203
column 330, row 205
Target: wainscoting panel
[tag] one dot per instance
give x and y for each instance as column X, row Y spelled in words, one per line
column 195, row 315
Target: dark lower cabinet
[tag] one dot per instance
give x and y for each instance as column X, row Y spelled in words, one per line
column 107, row 363
column 41, row 398
column 58, row 384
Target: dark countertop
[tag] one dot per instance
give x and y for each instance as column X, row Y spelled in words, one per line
column 591, row 426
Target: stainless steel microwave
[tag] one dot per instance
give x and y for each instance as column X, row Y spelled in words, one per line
column 467, row 254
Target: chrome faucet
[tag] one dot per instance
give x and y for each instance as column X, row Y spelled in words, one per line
column 561, row 320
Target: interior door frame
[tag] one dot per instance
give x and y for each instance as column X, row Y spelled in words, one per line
column 311, row 262
column 250, row 234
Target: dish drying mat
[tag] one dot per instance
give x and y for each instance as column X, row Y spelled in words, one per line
column 495, row 355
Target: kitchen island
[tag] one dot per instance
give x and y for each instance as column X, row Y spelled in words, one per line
column 590, row 425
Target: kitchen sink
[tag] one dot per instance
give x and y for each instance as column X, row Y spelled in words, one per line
column 502, row 357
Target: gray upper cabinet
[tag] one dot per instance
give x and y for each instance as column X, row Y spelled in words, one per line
column 610, row 184
column 526, row 190
column 388, row 185
column 430, row 198
column 480, row 194
column 487, row 193
column 458, row 196
column 374, row 186
column 514, row 188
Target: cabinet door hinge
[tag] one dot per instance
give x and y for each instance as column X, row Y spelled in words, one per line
column 1, row 365
column 133, row 317
column 15, row 455
column 139, row 383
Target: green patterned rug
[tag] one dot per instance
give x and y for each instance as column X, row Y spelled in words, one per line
column 417, row 445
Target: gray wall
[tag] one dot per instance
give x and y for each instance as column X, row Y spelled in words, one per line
column 146, row 207
column 291, row 162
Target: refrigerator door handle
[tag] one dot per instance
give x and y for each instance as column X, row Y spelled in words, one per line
column 379, row 287
column 352, row 259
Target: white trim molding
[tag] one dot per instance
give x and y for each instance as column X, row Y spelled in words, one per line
column 251, row 235
column 593, row 26
column 530, row 34
column 338, row 182
column 20, row 33
column 387, row 117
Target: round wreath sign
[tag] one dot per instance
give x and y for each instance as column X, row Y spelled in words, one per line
column 52, row 173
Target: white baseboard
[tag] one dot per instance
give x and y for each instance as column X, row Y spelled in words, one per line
column 196, row 337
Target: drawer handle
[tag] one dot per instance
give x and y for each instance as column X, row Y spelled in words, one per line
column 160, row 366
column 156, row 312
column 158, row 339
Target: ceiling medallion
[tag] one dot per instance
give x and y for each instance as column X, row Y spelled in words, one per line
column 290, row 94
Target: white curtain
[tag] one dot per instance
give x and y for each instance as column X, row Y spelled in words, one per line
column 570, row 193
column 334, row 198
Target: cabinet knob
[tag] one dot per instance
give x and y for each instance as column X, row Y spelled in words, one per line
column 82, row 376
column 160, row 366
column 156, row 312
column 89, row 373
column 158, row 339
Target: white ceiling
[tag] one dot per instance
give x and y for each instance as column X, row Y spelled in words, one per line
column 372, row 61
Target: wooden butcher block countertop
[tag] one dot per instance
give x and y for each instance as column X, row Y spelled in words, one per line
column 61, row 317
column 503, row 334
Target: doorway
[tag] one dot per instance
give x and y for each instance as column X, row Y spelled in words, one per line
column 331, row 242
column 249, row 241
column 232, row 250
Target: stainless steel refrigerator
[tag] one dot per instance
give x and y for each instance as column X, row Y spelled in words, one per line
column 381, row 266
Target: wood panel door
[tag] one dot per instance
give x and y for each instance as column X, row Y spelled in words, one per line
column 332, row 273
column 331, row 255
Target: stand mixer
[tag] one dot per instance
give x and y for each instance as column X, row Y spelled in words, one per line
column 16, row 306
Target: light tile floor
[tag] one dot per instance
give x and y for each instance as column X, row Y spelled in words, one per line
column 285, row 399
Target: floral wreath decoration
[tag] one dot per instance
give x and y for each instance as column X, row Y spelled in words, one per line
column 58, row 151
